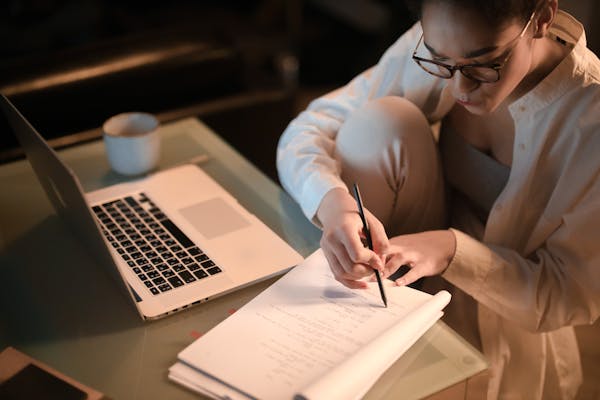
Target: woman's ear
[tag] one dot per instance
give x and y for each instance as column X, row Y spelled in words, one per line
column 544, row 18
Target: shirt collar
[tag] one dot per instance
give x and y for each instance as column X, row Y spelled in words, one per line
column 553, row 86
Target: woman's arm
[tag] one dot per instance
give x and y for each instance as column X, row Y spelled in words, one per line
column 305, row 162
column 557, row 285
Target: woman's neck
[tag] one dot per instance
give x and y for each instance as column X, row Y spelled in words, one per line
column 547, row 54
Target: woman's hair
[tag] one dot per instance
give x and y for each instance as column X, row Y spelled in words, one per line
column 494, row 12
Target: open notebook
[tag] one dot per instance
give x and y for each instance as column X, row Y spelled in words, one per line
column 307, row 337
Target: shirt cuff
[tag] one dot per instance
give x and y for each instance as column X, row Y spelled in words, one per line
column 469, row 266
column 314, row 191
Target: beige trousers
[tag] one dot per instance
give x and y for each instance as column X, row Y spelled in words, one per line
column 389, row 150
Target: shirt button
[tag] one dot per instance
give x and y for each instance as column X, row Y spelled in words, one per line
column 522, row 108
column 522, row 146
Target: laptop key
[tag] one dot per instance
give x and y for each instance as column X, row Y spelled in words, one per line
column 178, row 268
column 131, row 201
column 187, row 276
column 214, row 270
column 175, row 281
column 158, row 281
column 168, row 273
column 177, row 233
column 200, row 274
column 162, row 267
column 156, row 260
column 201, row 257
column 165, row 287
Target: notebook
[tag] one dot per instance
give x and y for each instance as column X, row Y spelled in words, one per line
column 171, row 239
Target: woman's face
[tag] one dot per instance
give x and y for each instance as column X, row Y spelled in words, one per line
column 456, row 36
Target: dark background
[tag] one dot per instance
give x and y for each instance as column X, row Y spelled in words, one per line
column 245, row 67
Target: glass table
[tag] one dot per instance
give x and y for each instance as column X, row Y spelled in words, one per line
column 59, row 306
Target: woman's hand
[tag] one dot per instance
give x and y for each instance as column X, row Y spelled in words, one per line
column 426, row 253
column 342, row 239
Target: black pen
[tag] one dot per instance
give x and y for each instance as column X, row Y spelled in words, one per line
column 369, row 240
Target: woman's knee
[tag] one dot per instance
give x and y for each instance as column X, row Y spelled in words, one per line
column 381, row 123
column 388, row 146
column 401, row 114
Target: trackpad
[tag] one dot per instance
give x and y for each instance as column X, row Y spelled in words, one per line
column 213, row 218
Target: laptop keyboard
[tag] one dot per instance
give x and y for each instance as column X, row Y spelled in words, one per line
column 157, row 251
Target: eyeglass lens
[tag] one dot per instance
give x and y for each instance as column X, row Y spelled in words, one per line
column 480, row 73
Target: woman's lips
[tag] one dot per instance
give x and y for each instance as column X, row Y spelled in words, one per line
column 466, row 102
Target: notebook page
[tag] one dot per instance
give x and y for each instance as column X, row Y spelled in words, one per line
column 361, row 370
column 295, row 331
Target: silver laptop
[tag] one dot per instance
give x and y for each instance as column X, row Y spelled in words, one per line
column 173, row 239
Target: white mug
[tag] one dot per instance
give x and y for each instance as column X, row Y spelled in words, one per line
column 132, row 142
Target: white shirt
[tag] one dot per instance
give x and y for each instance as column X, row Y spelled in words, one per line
column 535, row 269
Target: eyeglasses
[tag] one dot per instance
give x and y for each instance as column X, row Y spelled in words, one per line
column 483, row 73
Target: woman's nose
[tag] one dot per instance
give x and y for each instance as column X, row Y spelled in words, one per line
column 462, row 84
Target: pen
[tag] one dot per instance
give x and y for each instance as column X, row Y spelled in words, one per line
column 369, row 240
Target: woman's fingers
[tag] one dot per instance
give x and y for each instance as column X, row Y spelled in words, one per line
column 379, row 238
column 340, row 273
column 411, row 276
column 427, row 254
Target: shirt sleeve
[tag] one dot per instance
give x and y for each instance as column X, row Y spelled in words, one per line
column 305, row 155
column 556, row 286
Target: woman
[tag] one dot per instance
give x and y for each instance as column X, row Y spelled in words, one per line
column 475, row 143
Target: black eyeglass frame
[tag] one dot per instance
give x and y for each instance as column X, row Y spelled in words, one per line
column 496, row 66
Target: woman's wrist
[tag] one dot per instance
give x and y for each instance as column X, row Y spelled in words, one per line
column 334, row 203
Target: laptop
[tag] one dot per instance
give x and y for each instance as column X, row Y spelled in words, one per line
column 172, row 239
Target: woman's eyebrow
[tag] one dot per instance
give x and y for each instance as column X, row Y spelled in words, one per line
column 471, row 54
